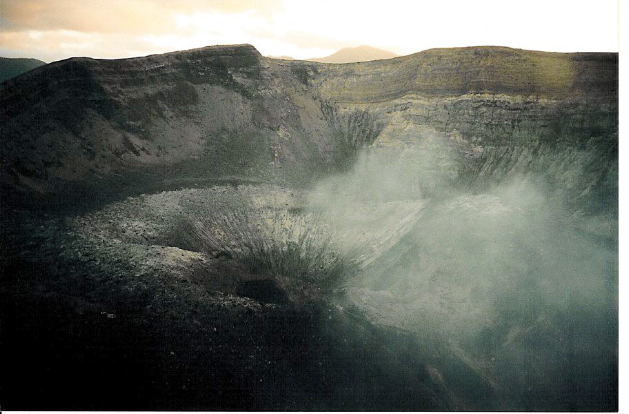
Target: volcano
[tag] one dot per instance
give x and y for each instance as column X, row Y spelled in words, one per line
column 212, row 229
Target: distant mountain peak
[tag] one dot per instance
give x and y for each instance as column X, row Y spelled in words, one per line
column 283, row 57
column 356, row 54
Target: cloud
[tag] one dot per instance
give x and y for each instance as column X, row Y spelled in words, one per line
column 53, row 30
column 59, row 44
column 88, row 16
column 117, row 16
column 56, row 29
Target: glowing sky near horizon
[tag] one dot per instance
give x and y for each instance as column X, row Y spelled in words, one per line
column 56, row 29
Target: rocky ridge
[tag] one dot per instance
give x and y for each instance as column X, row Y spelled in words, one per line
column 226, row 112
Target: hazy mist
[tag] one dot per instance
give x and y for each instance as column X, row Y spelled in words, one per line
column 500, row 273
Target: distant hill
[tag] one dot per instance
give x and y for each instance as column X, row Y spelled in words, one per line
column 355, row 54
column 283, row 57
column 12, row 67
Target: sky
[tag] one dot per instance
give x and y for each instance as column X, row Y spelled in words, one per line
column 51, row 30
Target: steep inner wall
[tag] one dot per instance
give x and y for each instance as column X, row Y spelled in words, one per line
column 221, row 109
column 85, row 126
column 507, row 112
